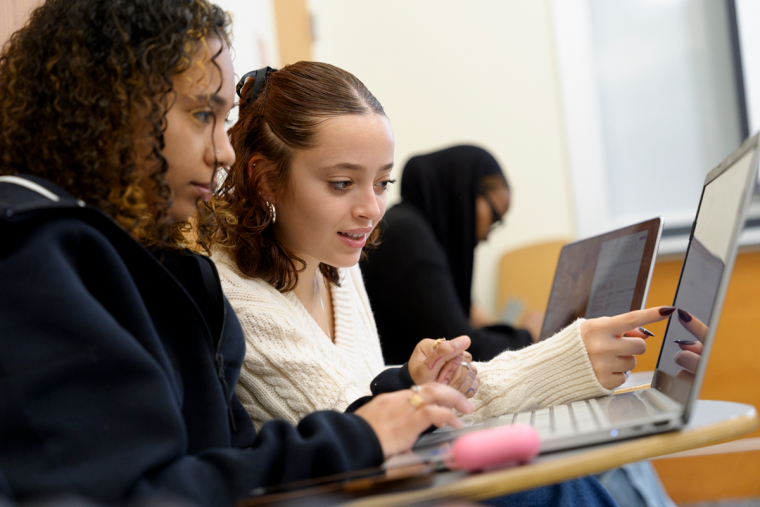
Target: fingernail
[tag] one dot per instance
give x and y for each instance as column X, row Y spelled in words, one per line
column 686, row 342
column 445, row 382
column 470, row 406
column 460, row 342
column 646, row 331
column 667, row 310
column 684, row 315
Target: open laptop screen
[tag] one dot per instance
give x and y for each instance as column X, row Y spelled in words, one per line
column 704, row 277
column 604, row 275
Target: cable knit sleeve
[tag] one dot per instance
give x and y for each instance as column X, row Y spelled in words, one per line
column 551, row 372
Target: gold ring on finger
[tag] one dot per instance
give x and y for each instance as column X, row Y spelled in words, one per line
column 438, row 342
column 417, row 401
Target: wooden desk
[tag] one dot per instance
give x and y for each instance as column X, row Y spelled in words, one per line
column 713, row 422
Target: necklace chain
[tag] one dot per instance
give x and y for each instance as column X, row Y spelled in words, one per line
column 318, row 291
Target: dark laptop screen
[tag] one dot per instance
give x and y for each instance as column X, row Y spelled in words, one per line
column 602, row 276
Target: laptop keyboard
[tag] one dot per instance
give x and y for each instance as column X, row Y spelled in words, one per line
column 556, row 423
column 562, row 420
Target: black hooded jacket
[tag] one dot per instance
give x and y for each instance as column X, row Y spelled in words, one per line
column 419, row 279
column 118, row 369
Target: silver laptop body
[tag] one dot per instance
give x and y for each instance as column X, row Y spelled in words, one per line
column 701, row 290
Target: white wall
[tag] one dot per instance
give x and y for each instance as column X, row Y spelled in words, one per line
column 254, row 36
column 650, row 106
column 450, row 72
column 748, row 13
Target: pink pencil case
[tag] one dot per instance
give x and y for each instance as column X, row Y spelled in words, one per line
column 502, row 446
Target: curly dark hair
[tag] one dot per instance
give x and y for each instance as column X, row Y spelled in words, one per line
column 284, row 118
column 84, row 82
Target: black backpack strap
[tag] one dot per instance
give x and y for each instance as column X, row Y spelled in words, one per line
column 24, row 193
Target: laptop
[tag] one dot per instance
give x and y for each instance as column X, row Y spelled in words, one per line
column 608, row 274
column 685, row 349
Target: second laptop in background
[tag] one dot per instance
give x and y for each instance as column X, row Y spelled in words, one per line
column 603, row 276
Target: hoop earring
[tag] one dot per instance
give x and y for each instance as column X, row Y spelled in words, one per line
column 272, row 211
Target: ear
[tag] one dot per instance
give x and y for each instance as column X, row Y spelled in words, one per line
column 254, row 162
column 260, row 164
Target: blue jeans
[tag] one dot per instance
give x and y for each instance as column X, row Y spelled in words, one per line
column 585, row 491
column 635, row 485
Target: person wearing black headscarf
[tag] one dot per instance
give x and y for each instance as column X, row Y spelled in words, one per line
column 419, row 278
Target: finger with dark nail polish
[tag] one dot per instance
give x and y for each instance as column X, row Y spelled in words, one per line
column 667, row 310
column 684, row 315
column 686, row 342
column 646, row 331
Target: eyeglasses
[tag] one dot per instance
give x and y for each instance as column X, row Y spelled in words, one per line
column 497, row 218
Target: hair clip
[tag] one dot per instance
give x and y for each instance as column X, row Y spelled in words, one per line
column 260, row 75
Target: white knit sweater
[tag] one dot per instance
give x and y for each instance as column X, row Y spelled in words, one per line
column 292, row 368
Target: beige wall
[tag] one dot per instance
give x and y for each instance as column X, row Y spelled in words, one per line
column 447, row 72
column 451, row 72
column 13, row 14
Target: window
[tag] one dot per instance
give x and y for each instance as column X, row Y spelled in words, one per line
column 654, row 98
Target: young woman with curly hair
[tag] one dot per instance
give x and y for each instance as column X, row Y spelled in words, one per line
column 303, row 198
column 266, row 259
column 119, row 361
column 296, row 209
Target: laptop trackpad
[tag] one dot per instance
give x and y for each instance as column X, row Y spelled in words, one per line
column 625, row 407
